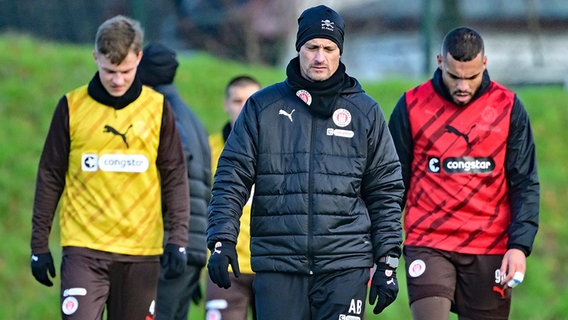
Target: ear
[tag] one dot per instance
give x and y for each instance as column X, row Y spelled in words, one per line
column 439, row 59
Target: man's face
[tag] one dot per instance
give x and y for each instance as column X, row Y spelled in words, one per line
column 236, row 98
column 319, row 59
column 117, row 78
column 463, row 79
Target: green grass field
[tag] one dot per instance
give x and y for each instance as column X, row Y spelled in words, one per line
column 35, row 74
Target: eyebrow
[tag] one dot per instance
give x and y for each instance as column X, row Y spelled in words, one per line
column 117, row 71
column 462, row 78
column 329, row 46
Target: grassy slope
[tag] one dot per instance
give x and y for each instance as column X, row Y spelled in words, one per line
column 34, row 75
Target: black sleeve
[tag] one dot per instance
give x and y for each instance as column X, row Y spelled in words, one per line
column 234, row 177
column 523, row 182
column 382, row 189
column 399, row 126
column 50, row 180
column 173, row 174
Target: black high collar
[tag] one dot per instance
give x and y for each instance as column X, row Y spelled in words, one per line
column 100, row 94
column 324, row 93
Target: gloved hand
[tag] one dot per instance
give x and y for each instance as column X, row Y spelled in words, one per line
column 197, row 295
column 221, row 256
column 42, row 264
column 384, row 287
column 173, row 260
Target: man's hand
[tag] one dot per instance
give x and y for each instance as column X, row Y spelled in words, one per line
column 221, row 256
column 514, row 263
column 42, row 264
column 173, row 260
column 384, row 287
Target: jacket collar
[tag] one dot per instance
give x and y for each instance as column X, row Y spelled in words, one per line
column 322, row 94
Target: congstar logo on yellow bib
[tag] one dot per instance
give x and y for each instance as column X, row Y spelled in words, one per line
column 114, row 162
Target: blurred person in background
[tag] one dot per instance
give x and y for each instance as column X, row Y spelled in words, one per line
column 327, row 188
column 234, row 303
column 158, row 69
column 472, row 199
column 111, row 155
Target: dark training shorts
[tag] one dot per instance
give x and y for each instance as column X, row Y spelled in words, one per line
column 467, row 280
column 90, row 283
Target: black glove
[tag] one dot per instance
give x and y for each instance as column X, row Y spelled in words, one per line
column 42, row 264
column 197, row 295
column 221, row 256
column 384, row 287
column 173, row 260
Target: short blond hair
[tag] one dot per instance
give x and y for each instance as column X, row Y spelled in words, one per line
column 117, row 36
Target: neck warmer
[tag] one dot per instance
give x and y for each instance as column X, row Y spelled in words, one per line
column 323, row 94
column 99, row 93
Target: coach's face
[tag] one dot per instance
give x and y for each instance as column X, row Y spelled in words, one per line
column 462, row 78
column 319, row 59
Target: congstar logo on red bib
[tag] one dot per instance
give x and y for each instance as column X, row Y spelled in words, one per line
column 461, row 165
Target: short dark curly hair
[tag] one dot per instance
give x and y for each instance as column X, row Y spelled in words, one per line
column 463, row 44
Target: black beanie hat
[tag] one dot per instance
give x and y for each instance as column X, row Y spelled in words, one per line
column 158, row 65
column 320, row 22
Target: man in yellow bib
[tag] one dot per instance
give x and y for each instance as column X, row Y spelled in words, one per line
column 111, row 152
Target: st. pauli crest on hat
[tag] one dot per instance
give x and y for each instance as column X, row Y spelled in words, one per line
column 327, row 25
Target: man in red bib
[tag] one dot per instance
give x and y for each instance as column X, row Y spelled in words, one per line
column 472, row 191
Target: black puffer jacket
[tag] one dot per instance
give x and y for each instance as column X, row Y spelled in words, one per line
column 195, row 143
column 326, row 197
column 158, row 69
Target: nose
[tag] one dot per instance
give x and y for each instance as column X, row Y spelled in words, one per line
column 118, row 78
column 462, row 85
column 319, row 56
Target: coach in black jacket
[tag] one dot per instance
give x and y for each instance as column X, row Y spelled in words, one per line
column 328, row 188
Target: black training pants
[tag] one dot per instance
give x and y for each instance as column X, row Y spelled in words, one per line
column 335, row 295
